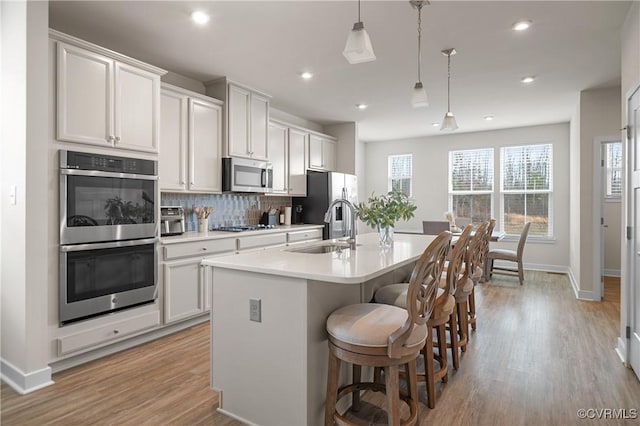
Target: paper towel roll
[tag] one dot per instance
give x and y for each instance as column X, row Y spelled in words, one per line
column 287, row 215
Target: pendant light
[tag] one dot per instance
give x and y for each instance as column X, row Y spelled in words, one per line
column 419, row 95
column 449, row 121
column 358, row 48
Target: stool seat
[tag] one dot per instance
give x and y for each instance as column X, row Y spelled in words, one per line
column 371, row 324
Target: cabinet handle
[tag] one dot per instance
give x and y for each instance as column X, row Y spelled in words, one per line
column 182, row 182
column 110, row 139
column 204, row 249
column 117, row 138
column 116, row 331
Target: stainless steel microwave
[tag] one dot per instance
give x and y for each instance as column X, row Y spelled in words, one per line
column 244, row 175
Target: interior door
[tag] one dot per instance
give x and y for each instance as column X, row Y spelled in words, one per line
column 634, row 222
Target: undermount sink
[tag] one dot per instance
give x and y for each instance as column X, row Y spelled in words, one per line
column 321, row 249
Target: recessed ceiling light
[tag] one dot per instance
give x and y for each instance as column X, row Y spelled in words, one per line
column 521, row 25
column 199, row 17
column 488, row 117
column 306, row 75
column 361, row 106
column 435, row 124
column 528, row 79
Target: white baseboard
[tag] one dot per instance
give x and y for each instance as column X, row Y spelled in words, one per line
column 22, row 382
column 611, row 272
column 233, row 416
column 621, row 350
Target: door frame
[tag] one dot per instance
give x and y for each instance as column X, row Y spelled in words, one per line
column 598, row 213
column 627, row 294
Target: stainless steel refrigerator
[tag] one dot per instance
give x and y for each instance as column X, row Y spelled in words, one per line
column 322, row 189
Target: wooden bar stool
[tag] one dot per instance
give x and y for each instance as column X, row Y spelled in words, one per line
column 479, row 275
column 377, row 335
column 443, row 313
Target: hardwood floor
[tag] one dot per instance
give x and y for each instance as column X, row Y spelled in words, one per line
column 537, row 357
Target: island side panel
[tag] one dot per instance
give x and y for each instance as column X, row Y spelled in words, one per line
column 260, row 367
column 323, row 298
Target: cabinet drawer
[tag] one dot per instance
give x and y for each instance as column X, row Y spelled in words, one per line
column 107, row 332
column 199, row 248
column 257, row 241
column 311, row 234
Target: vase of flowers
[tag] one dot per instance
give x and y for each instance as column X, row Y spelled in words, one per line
column 382, row 212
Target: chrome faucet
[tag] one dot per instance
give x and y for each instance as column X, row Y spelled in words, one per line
column 352, row 224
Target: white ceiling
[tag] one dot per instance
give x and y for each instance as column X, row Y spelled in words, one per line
column 571, row 46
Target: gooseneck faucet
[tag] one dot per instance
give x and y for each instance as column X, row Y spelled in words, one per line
column 352, row 215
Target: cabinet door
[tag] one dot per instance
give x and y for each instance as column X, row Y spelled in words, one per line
column 328, row 155
column 259, row 126
column 278, row 157
column 136, row 108
column 297, row 162
column 315, row 152
column 238, row 103
column 183, row 291
column 172, row 158
column 204, row 146
column 84, row 96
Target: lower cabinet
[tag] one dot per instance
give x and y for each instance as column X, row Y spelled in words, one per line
column 184, row 289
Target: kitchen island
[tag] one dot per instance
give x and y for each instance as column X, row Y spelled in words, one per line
column 269, row 309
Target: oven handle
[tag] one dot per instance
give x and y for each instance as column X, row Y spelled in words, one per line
column 112, row 244
column 98, row 173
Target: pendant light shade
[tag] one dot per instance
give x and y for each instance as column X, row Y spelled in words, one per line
column 449, row 121
column 358, row 48
column 419, row 94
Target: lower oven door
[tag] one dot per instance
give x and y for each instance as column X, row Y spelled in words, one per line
column 104, row 277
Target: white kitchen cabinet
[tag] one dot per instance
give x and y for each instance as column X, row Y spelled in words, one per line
column 246, row 120
column 183, row 289
column 322, row 153
column 190, row 148
column 278, row 157
column 103, row 100
column 287, row 154
column 297, row 172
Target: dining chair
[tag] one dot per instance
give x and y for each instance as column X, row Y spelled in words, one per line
column 510, row 256
column 386, row 336
column 434, row 227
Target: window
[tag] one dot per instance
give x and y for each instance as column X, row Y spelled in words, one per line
column 613, row 170
column 400, row 170
column 526, row 187
column 471, row 184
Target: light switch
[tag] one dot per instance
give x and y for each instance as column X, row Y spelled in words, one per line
column 255, row 310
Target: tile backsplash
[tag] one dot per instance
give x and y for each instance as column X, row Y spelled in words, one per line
column 228, row 209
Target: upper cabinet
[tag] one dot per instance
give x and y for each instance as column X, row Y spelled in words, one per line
column 246, row 120
column 190, row 142
column 104, row 98
column 322, row 152
column 288, row 155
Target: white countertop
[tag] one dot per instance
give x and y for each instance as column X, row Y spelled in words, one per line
column 367, row 261
column 211, row 235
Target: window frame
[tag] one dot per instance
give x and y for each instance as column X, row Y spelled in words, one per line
column 390, row 176
column 550, row 192
column 491, row 192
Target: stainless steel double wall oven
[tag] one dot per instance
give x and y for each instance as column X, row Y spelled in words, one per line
column 108, row 234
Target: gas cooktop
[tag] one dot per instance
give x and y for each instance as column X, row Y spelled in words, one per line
column 240, row 228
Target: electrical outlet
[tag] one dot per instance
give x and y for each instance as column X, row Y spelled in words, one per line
column 255, row 310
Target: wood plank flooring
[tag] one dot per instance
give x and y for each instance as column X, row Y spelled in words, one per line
column 537, row 357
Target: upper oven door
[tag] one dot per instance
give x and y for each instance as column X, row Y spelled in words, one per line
column 105, row 206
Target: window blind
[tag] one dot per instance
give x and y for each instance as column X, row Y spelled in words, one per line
column 400, row 169
column 613, row 162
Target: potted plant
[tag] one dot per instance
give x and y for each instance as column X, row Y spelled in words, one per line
column 382, row 212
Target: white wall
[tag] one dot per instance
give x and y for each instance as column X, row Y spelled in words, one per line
column 599, row 116
column 24, row 225
column 430, row 179
column 347, row 134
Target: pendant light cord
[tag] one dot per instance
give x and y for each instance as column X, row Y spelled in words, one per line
column 359, row 20
column 419, row 40
column 449, row 82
